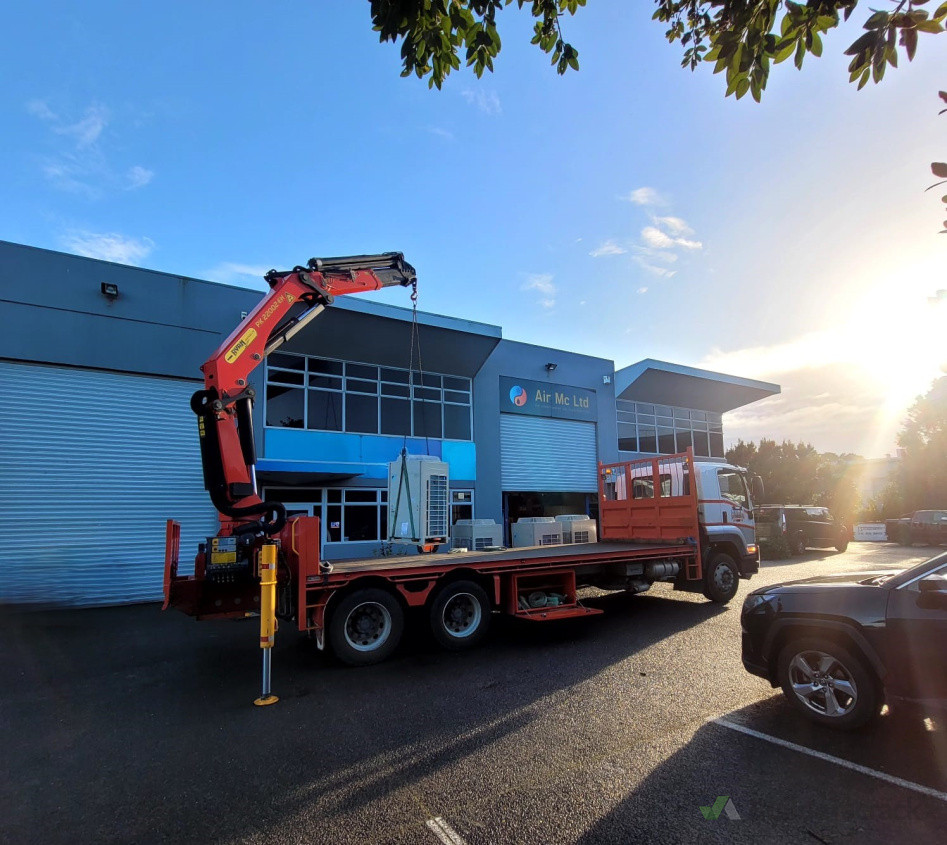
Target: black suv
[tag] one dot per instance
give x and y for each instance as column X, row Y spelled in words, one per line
column 803, row 526
column 841, row 645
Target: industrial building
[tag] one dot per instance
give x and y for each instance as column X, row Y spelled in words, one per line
column 97, row 438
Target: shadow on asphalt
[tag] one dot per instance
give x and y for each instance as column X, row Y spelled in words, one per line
column 135, row 725
column 783, row 795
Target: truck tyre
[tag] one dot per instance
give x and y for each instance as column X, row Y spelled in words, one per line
column 366, row 627
column 722, row 578
column 460, row 615
column 799, row 544
column 828, row 683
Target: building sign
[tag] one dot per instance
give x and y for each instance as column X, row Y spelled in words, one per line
column 544, row 399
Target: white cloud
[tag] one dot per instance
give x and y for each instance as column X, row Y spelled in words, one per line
column 138, row 177
column 608, row 248
column 645, row 196
column 236, row 273
column 487, row 101
column 39, row 108
column 109, row 246
column 674, row 225
column 642, row 290
column 86, row 131
column 543, row 284
column 661, row 272
column 446, row 134
column 656, row 238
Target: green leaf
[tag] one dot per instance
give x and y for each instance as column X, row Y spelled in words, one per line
column 877, row 21
column 864, row 80
column 784, row 50
column 800, row 54
column 743, row 87
column 939, row 169
column 941, row 12
column 929, row 26
column 816, row 47
column 909, row 40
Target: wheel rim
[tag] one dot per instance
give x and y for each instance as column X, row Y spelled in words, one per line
column 462, row 614
column 723, row 578
column 823, row 684
column 368, row 626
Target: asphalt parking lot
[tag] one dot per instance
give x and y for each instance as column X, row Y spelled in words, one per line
column 132, row 725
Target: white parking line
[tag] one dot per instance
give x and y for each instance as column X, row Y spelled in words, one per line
column 847, row 764
column 443, row 831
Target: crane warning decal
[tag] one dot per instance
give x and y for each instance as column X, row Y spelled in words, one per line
column 240, row 346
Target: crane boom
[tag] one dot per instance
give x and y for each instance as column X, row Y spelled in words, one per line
column 223, row 407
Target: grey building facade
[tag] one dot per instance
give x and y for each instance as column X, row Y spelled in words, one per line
column 98, row 446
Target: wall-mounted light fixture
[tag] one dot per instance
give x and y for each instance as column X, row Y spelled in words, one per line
column 110, row 289
column 550, row 367
column 606, row 379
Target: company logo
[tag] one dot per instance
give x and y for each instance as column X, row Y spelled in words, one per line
column 518, row 396
column 724, row 805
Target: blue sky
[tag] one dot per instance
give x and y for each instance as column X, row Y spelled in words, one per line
column 628, row 210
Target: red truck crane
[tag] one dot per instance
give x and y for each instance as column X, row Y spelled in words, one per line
column 657, row 519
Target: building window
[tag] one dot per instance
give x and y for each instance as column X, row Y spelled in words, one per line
column 325, row 395
column 664, row 430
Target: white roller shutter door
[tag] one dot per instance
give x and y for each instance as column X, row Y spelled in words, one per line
column 91, row 465
column 547, row 454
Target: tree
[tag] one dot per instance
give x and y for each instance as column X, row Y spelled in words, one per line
column 939, row 168
column 742, row 37
column 924, row 440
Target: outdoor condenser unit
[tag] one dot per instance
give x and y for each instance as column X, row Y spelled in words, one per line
column 476, row 534
column 537, row 531
column 577, row 528
column 418, row 500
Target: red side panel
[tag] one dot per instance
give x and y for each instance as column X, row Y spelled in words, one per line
column 172, row 550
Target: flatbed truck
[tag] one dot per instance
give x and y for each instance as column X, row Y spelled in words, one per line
column 669, row 518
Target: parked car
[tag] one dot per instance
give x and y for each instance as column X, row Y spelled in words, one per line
column 926, row 527
column 842, row 645
column 803, row 526
column 895, row 527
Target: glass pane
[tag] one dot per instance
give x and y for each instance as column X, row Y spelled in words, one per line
column 668, row 422
column 460, row 496
column 456, row 396
column 361, row 495
column 662, row 410
column 301, row 494
column 628, row 444
column 284, row 377
column 395, row 416
column 399, row 376
column 334, row 495
column 427, row 419
column 289, row 362
column 626, row 416
column 645, row 409
column 361, row 371
column 325, row 411
column 284, row 406
column 625, row 405
column 429, row 380
column 395, row 390
column 716, row 445
column 666, row 441
column 457, row 422
column 320, row 365
column 698, row 415
column 681, row 414
column 361, row 413
column 359, row 386
column 383, row 519
column 626, row 430
column 361, row 522
column 334, row 523
column 429, row 393
column 330, row 382
column 684, row 440
column 452, row 383
column 645, row 419
column 647, row 440
column 701, row 444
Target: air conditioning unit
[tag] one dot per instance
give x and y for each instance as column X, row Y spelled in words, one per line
column 418, row 500
column 476, row 534
column 577, row 528
column 537, row 531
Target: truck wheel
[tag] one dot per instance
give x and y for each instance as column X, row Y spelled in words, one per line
column 366, row 627
column 722, row 578
column 460, row 615
column 799, row 544
column 827, row 683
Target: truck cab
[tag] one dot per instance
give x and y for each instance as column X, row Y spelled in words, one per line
column 726, row 496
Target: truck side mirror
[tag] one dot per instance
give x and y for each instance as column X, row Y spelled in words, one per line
column 756, row 488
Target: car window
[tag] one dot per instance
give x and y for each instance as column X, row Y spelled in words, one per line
column 733, row 487
column 767, row 514
column 939, row 575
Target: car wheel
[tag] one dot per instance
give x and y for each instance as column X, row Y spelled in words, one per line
column 827, row 683
column 799, row 544
column 366, row 627
column 460, row 615
column 722, row 578
column 841, row 546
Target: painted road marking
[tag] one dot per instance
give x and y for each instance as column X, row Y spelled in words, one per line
column 847, row 764
column 444, row 832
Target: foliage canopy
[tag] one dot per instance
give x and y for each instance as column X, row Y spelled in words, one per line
column 742, row 37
